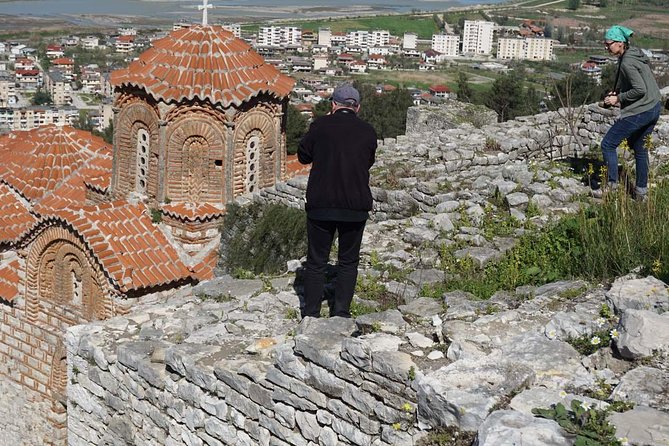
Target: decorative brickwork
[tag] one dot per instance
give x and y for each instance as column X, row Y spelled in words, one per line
column 195, row 159
column 134, row 117
column 255, row 145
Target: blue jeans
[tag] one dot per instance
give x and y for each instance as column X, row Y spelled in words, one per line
column 634, row 128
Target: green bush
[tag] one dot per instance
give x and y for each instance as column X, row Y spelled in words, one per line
column 261, row 238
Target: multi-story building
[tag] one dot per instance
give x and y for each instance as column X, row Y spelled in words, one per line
column 477, row 37
column 378, row 38
column 279, row 36
column 358, row 39
column 32, row 117
column 446, row 44
column 324, row 37
column 28, row 80
column 90, row 77
column 127, row 31
column 59, row 87
column 320, row 61
column 338, row 39
column 23, row 63
column 125, row 43
column 234, row 28
column 409, row 42
column 7, row 89
column 90, row 42
column 528, row 48
column 65, row 65
column 54, row 50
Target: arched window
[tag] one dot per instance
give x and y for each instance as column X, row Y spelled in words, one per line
column 253, row 151
column 142, row 160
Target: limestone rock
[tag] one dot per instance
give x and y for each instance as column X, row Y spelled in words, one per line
column 508, row 427
column 648, row 293
column 641, row 333
column 462, row 393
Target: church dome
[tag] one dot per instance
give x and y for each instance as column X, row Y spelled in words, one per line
column 206, row 63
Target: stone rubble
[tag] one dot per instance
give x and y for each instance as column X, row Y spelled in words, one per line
column 228, row 361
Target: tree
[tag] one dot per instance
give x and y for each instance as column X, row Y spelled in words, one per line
column 573, row 4
column 107, row 134
column 386, row 112
column 506, row 96
column 465, row 92
column 322, row 109
column 575, row 90
column 296, row 127
column 41, row 97
column 84, row 122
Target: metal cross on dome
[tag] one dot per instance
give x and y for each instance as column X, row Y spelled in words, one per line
column 204, row 7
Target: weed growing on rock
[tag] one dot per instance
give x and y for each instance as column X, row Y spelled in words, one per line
column 590, row 343
column 447, row 436
column 241, row 273
column 586, row 422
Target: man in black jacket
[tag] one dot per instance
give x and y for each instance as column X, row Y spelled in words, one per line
column 341, row 149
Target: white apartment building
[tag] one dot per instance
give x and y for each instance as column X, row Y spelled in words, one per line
column 279, row 36
column 378, row 38
column 320, row 61
column 125, row 43
column 58, row 86
column 234, row 28
column 90, row 42
column 32, row 117
column 325, row 37
column 7, row 90
column 410, row 41
column 446, row 44
column 357, row 39
column 532, row 48
column 477, row 37
column 338, row 39
column 127, row 31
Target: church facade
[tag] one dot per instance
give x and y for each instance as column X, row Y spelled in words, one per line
column 199, row 119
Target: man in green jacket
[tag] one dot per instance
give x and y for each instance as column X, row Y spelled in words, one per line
column 639, row 99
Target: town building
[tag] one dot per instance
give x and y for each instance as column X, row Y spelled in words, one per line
column 324, row 37
column 525, row 48
column 90, row 42
column 27, row 118
column 477, row 37
column 58, row 85
column 279, row 36
column 125, row 43
column 7, row 90
column 410, row 41
column 446, row 44
column 198, row 122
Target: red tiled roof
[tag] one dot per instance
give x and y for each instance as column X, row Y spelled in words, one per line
column 15, row 218
column 204, row 62
column 126, row 38
column 24, row 72
column 62, row 61
column 37, row 162
column 440, row 89
column 192, row 211
column 9, row 277
column 134, row 252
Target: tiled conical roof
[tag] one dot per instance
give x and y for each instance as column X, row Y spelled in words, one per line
column 204, row 62
column 38, row 161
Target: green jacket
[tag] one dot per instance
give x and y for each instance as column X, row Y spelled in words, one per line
column 638, row 90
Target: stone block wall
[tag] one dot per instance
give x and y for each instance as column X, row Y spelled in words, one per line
column 133, row 381
column 432, row 152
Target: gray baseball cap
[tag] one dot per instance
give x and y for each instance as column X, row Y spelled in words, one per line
column 346, row 94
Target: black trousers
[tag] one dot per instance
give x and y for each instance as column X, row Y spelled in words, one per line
column 320, row 234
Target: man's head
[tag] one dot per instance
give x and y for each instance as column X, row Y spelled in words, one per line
column 345, row 96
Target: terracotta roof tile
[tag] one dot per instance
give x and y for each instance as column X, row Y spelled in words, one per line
column 123, row 238
column 203, row 62
column 37, row 162
column 15, row 218
column 9, row 278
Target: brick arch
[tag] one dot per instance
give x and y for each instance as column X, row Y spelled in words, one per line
column 195, row 161
column 256, row 127
column 179, row 112
column 64, row 284
column 135, row 116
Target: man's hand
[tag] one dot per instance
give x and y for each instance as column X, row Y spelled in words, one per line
column 611, row 100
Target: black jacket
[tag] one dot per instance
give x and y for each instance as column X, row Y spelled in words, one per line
column 341, row 148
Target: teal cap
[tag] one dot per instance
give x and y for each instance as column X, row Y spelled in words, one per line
column 618, row 33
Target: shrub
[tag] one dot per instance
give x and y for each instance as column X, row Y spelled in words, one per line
column 260, row 238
